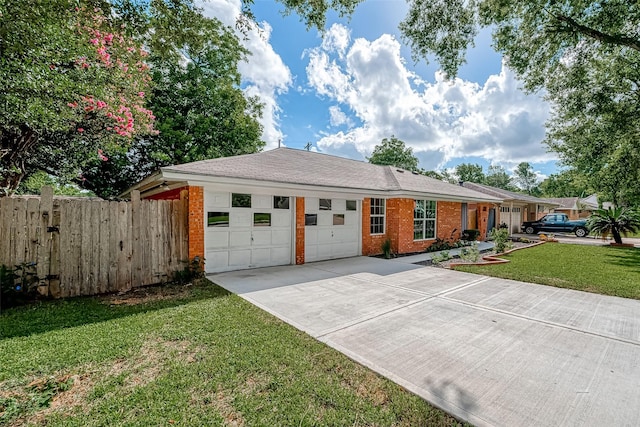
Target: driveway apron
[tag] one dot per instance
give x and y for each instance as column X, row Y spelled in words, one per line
column 489, row 351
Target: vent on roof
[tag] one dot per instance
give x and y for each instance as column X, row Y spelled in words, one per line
column 415, row 173
column 400, row 170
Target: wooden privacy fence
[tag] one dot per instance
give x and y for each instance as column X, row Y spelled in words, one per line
column 82, row 246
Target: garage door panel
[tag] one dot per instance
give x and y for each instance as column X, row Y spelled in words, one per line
column 238, row 239
column 281, row 218
column 281, row 255
column 311, row 235
column 217, row 200
column 325, row 219
column 260, row 256
column 217, row 258
column 325, row 236
column 261, row 237
column 336, row 234
column 261, row 202
column 218, row 240
column 281, row 237
column 239, row 258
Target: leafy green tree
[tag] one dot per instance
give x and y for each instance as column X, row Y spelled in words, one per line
column 467, row 172
column 568, row 183
column 526, row 179
column 497, row 177
column 616, row 221
column 67, row 68
column 201, row 112
column 394, row 152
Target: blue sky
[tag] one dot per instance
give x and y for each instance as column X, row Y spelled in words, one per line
column 345, row 92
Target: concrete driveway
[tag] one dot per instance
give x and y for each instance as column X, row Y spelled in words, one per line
column 489, row 351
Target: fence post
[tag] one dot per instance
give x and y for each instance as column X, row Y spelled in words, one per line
column 43, row 266
column 136, row 246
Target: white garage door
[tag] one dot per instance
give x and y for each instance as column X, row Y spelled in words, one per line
column 331, row 229
column 246, row 231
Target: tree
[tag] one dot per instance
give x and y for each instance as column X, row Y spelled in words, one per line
column 568, row 183
column 66, row 70
column 466, row 172
column 616, row 221
column 393, row 152
column 201, row 112
column 526, row 178
column 498, row 177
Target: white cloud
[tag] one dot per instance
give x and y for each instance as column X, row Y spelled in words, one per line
column 337, row 117
column 264, row 73
column 441, row 121
column 336, row 39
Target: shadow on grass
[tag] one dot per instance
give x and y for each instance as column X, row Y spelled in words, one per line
column 45, row 316
column 626, row 257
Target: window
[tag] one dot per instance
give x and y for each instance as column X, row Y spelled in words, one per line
column 280, row 202
column 424, row 220
column 504, row 209
column 325, row 204
column 351, row 205
column 217, row 219
column 261, row 219
column 310, row 219
column 239, row 200
column 338, row 219
column 377, row 216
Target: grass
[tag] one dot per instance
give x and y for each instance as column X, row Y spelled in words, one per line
column 193, row 355
column 599, row 269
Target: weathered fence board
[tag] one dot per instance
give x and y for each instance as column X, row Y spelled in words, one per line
column 86, row 246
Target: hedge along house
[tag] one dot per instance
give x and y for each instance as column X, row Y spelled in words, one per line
column 515, row 207
column 288, row 206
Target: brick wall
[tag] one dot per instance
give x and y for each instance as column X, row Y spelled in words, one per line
column 299, row 230
column 449, row 219
column 196, row 222
column 371, row 244
column 483, row 218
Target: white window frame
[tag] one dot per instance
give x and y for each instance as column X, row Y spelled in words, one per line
column 426, row 219
column 382, row 215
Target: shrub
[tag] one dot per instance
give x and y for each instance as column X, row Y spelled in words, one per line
column 192, row 271
column 470, row 235
column 471, row 253
column 441, row 257
column 500, row 238
column 18, row 285
column 386, row 248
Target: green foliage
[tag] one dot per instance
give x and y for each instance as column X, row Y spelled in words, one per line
column 441, row 257
column 471, row 253
column 393, row 152
column 466, row 172
column 567, row 183
column 615, row 221
column 18, row 285
column 497, row 177
column 34, row 183
column 526, row 179
column 500, row 237
column 194, row 270
column 386, row 248
column 34, row 397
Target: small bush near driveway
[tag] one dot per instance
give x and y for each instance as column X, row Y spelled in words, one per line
column 599, row 269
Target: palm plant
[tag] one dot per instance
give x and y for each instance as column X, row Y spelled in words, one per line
column 615, row 221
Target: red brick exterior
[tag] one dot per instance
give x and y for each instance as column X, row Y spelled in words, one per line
column 399, row 226
column 299, row 230
column 483, row 218
column 196, row 222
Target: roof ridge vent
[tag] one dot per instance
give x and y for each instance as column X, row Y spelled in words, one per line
column 400, row 170
column 415, row 173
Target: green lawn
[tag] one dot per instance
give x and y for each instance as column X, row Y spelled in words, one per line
column 184, row 356
column 600, row 269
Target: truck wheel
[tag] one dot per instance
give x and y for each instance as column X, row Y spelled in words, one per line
column 529, row 230
column 581, row 232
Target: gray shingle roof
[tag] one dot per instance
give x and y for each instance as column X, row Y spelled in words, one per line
column 565, row 202
column 286, row 165
column 505, row 194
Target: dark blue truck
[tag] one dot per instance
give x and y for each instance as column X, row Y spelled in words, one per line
column 556, row 223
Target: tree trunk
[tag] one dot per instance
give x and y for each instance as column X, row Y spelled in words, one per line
column 616, row 235
column 14, row 148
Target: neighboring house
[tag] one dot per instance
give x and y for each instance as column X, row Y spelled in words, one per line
column 288, row 206
column 573, row 207
column 515, row 207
